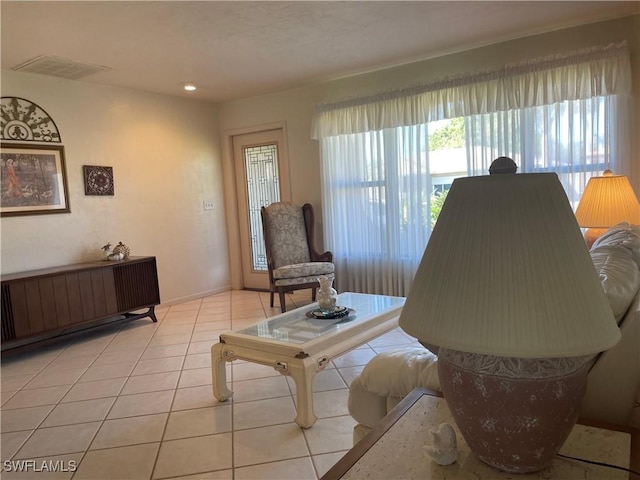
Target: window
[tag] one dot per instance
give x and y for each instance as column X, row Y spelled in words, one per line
column 388, row 161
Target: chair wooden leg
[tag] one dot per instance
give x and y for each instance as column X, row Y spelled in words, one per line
column 271, row 298
column 283, row 306
column 313, row 294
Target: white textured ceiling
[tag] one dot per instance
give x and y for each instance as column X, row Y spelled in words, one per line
column 240, row 49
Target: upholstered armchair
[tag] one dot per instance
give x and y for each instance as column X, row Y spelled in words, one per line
column 292, row 259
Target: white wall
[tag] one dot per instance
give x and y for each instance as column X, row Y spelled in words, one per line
column 295, row 107
column 165, row 155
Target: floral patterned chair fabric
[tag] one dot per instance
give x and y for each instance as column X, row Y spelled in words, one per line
column 292, row 260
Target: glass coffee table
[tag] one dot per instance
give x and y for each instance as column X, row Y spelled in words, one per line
column 297, row 344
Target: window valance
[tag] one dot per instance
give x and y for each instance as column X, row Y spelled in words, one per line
column 598, row 71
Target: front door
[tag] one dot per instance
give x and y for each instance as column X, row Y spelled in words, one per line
column 262, row 177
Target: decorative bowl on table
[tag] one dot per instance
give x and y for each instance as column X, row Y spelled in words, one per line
column 338, row 312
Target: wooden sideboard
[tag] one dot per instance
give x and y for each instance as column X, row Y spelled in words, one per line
column 41, row 304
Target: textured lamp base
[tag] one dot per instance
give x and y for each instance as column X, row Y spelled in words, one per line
column 514, row 414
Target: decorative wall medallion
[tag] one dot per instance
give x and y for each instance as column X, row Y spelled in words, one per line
column 24, row 121
column 98, row 180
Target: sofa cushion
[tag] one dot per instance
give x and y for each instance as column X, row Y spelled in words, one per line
column 281, row 282
column 622, row 235
column 619, row 275
column 309, row 269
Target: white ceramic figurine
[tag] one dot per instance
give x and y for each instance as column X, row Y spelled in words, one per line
column 327, row 296
column 444, row 445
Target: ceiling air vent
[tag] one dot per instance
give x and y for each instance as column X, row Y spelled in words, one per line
column 59, row 67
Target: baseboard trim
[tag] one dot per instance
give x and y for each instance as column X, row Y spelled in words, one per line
column 195, row 296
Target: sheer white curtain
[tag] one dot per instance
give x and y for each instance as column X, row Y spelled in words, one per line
column 376, row 201
column 563, row 114
column 576, row 139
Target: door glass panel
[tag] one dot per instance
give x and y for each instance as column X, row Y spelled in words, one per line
column 261, row 167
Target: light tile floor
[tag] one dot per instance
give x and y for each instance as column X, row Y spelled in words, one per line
column 134, row 401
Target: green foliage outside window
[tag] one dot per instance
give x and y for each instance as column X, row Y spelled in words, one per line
column 449, row 136
column 437, row 200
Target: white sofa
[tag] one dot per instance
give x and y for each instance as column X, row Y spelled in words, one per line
column 614, row 379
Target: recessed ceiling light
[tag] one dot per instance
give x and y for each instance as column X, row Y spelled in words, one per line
column 189, row 87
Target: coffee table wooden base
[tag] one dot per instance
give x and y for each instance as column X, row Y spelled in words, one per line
column 302, row 367
column 302, row 371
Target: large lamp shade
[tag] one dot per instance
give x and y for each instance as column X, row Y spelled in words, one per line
column 506, row 273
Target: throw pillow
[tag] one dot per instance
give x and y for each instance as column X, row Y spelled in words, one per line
column 624, row 235
column 619, row 275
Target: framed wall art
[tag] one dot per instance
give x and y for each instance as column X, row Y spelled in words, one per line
column 98, row 180
column 33, row 180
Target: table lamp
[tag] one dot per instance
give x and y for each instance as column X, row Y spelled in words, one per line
column 508, row 292
column 606, row 201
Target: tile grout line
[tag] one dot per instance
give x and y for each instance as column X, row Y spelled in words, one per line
column 295, row 406
column 164, row 430
column 233, row 403
column 87, row 449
